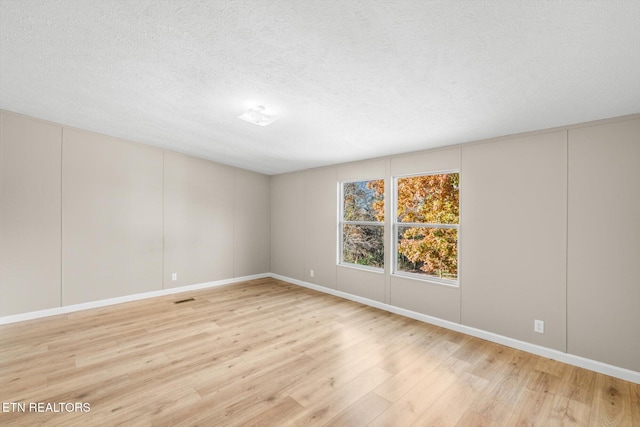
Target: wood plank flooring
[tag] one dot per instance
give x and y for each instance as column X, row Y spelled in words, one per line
column 269, row 353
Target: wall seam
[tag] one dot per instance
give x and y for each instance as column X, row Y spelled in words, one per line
column 338, row 228
column 566, row 247
column 234, row 213
column 164, row 155
column 389, row 210
column 61, row 212
column 460, row 201
column 270, row 219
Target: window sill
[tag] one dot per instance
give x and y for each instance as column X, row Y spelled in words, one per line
column 362, row 267
column 430, row 280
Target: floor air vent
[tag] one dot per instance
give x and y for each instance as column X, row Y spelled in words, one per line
column 184, row 300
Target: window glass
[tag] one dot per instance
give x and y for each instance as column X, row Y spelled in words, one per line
column 363, row 200
column 363, row 245
column 428, row 251
column 429, row 199
column 426, row 226
column 362, row 223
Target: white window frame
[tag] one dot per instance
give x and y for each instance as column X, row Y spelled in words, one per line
column 342, row 222
column 394, row 233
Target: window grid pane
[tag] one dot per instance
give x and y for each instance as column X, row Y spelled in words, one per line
column 363, row 201
column 363, row 245
column 426, row 226
column 362, row 223
column 428, row 251
column 428, row 199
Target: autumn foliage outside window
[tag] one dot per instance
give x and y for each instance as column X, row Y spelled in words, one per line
column 426, row 225
column 362, row 223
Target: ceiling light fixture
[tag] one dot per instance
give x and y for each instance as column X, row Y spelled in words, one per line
column 257, row 116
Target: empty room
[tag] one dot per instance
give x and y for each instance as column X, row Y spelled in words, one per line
column 320, row 213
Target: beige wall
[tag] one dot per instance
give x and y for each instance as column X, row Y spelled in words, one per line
column 288, row 225
column 251, row 223
column 604, row 243
column 86, row 217
column 216, row 221
column 363, row 283
column 30, row 153
column 111, row 217
column 198, row 209
column 320, row 204
column 513, row 237
column 515, row 225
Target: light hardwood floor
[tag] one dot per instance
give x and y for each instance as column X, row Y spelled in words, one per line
column 271, row 353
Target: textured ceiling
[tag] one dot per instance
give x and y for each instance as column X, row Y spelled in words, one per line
column 347, row 80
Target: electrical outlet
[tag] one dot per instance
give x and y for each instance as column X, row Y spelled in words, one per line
column 311, row 273
column 174, row 276
column 538, row 326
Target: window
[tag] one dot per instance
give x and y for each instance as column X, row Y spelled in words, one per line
column 362, row 223
column 426, row 226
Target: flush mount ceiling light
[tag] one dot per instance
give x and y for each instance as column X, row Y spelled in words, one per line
column 257, row 116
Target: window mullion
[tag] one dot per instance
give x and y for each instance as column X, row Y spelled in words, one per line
column 363, row 222
column 427, row 225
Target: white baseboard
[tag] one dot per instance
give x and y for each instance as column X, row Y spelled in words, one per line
column 571, row 359
column 127, row 298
